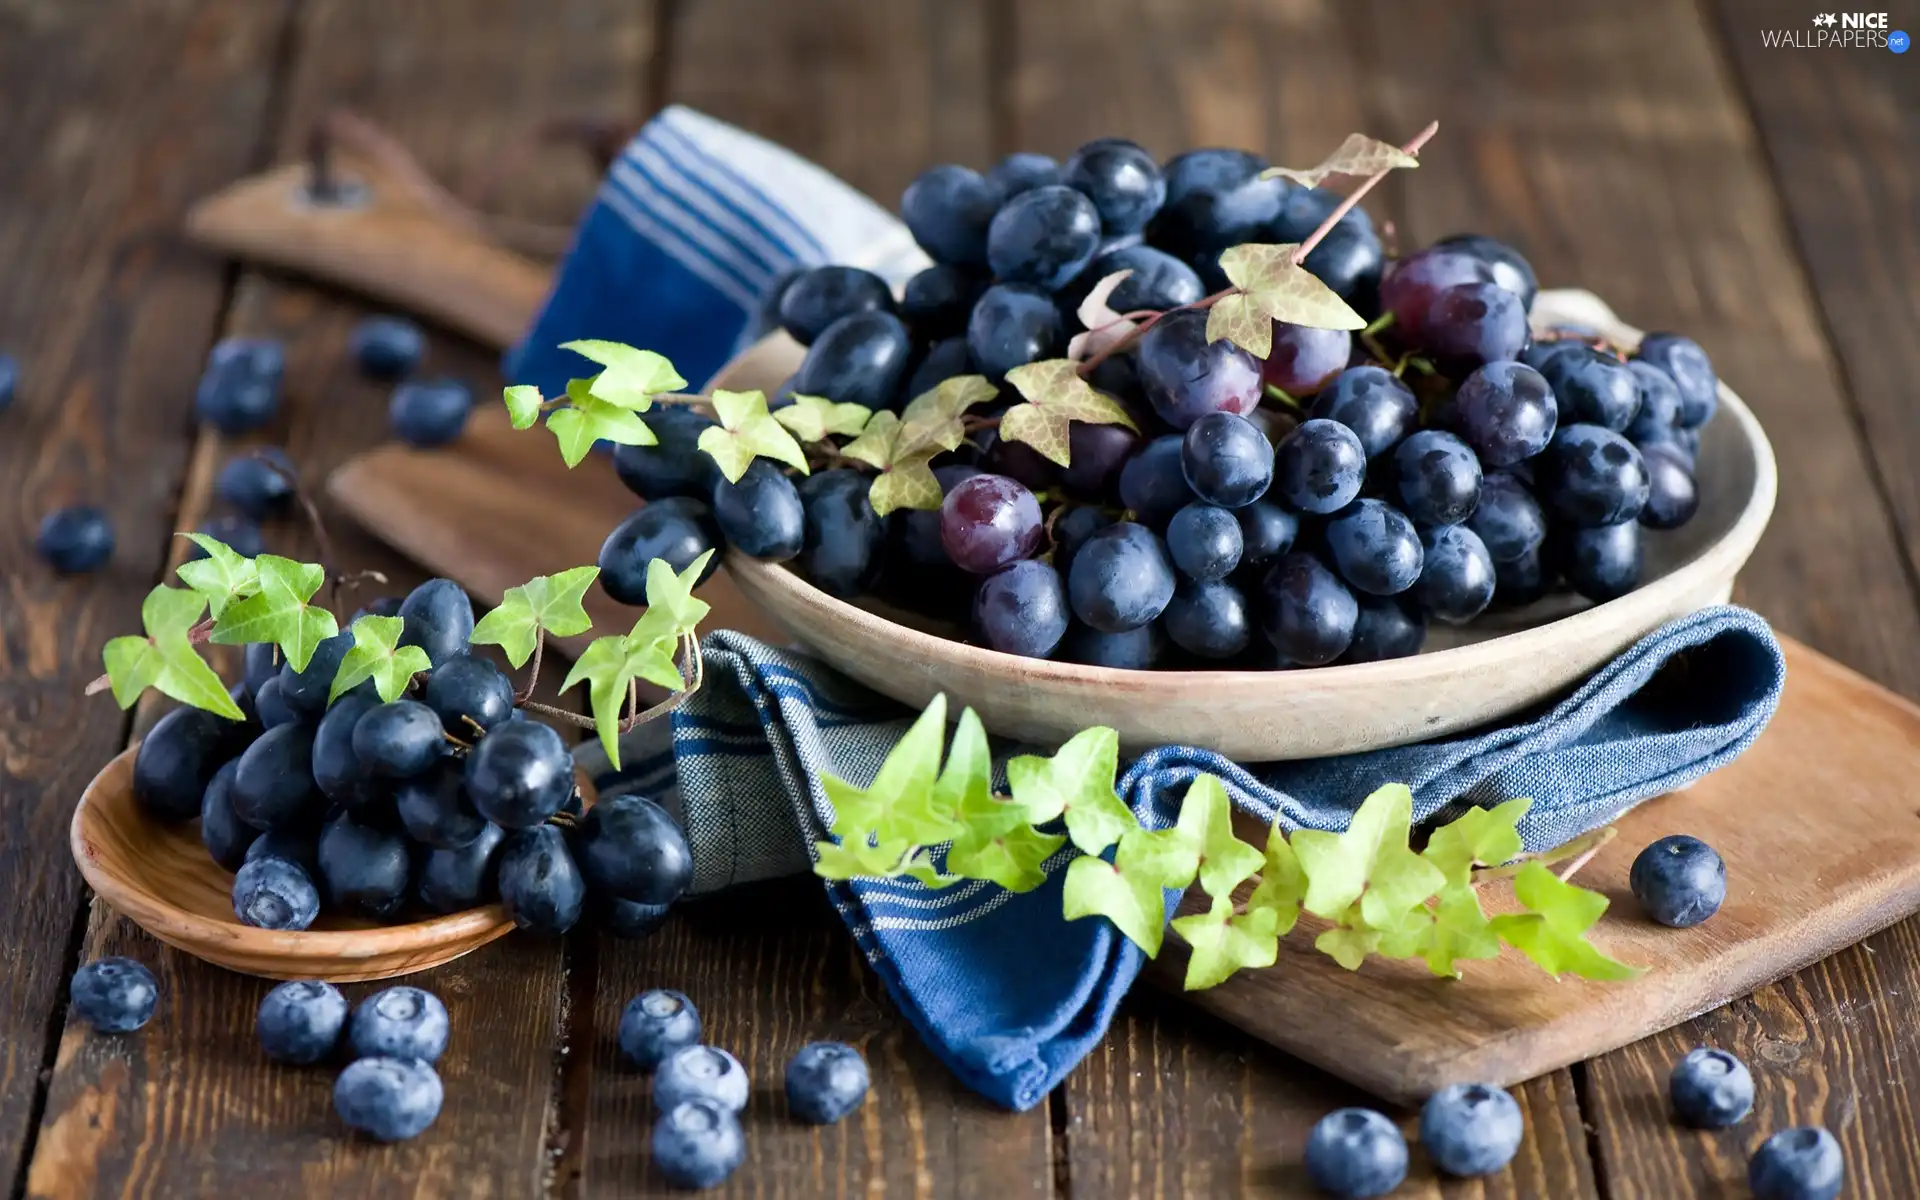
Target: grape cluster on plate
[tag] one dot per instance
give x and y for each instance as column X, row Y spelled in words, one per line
column 1320, row 506
column 439, row 801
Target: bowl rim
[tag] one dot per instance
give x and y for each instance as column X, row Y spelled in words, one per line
column 187, row 930
column 1719, row 560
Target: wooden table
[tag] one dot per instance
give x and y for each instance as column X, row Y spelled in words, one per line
column 1766, row 201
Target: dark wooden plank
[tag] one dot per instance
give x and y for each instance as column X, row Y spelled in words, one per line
column 117, row 116
column 1837, row 127
column 188, row 1106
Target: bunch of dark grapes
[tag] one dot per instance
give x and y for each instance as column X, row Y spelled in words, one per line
column 446, row 799
column 1322, row 506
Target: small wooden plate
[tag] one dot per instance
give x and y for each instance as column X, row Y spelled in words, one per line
column 158, row 875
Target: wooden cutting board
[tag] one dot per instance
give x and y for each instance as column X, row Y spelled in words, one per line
column 1819, row 822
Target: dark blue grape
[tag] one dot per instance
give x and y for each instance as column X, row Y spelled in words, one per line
column 1044, row 237
column 1266, row 532
column 1307, row 208
column 845, row 540
column 1017, row 461
column 431, row 413
column 860, row 359
column 438, row 618
column 434, row 809
column 1600, row 562
column 1522, row 580
column 1022, row 609
column 1159, row 280
column 1375, row 547
column 1319, row 467
column 1208, row 619
column 364, row 868
column 1369, row 400
column 1185, row 376
column 1438, row 478
column 1672, row 498
column 271, row 708
column 1471, row 324
column 470, row 695
column 273, row 786
column 222, row 832
column 1508, row 519
column 260, row 663
column 252, row 484
column 627, row 846
column 305, row 692
column 1506, row 412
column 177, row 760
column 1409, row 287
column 920, row 528
column 240, row 389
column 1594, row 476
column 823, row 295
column 520, row 774
column 1012, row 325
column 1205, row 542
column 1018, row 173
column 1305, row 359
column 1387, row 627
column 1097, row 454
column 945, row 359
column 937, row 301
column 75, row 540
column 400, row 739
column 676, row 466
column 1205, row 221
column 1691, row 371
column 1456, row 579
column 761, row 516
column 1658, row 419
column 1510, row 268
column 540, row 884
column 1350, row 260
column 1226, row 460
column 237, row 533
column 678, row 529
column 1210, row 169
column 298, row 845
column 947, row 209
column 1121, row 578
column 461, row 878
column 387, row 347
column 1593, row 388
column 1122, row 180
column 1544, row 349
column 1306, row 612
column 1153, row 483
column 337, row 770
column 1136, row 649
column 1071, row 529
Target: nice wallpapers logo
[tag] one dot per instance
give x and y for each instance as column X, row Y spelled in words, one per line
column 1840, row 31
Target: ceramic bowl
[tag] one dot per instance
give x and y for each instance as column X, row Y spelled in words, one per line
column 1498, row 665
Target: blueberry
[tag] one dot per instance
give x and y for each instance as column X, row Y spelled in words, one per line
column 629, row 847
column 240, row 389
column 825, row 1082
column 655, row 1025
column 1711, row 1089
column 387, row 347
column 274, row 893
column 253, row 486
column 391, row 1099
column 1679, row 880
column 1355, row 1153
column 75, row 540
column 400, row 1022
column 1797, row 1164
column 697, row 1144
column 1471, row 1129
column 114, row 995
column 239, row 534
column 430, row 414
column 700, row 1073
column 300, row 1022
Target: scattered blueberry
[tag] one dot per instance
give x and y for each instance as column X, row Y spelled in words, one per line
column 655, row 1025
column 300, row 1022
column 115, row 995
column 1797, row 1164
column 1711, row 1089
column 698, row 1143
column 237, row 533
column 1354, row 1153
column 825, row 1082
column 1471, row 1129
column 400, row 1022
column 253, row 486
column 1679, row 880
column 387, row 347
column 240, row 389
column 75, row 540
column 700, row 1073
column 391, row 1099
column 274, row 893
column 430, row 414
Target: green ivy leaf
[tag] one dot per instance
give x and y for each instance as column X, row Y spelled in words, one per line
column 279, row 612
column 1077, row 783
column 1283, row 884
column 1224, row 942
column 1201, row 842
column 1285, row 291
column 133, row 665
column 608, row 667
column 1055, row 397
column 220, row 578
column 995, row 841
column 902, row 803
column 1460, row 930
column 931, row 421
column 377, row 654
column 815, row 418
column 524, row 403
column 1358, row 155
column 1134, row 903
column 589, row 419
column 1241, row 320
column 671, row 595
column 1483, row 836
column 166, row 659
column 632, row 377
column 906, row 479
column 1348, row 944
column 1371, row 855
column 1552, row 932
column 746, row 432
column 544, row 604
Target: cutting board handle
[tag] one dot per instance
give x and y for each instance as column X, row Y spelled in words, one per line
column 376, row 224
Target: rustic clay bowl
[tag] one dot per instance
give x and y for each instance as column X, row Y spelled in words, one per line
column 1465, row 677
column 158, row 875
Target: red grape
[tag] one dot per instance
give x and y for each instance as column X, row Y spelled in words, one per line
column 1304, row 359
column 989, row 521
column 1410, row 286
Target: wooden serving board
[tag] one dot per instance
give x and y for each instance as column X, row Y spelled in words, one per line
column 1819, row 822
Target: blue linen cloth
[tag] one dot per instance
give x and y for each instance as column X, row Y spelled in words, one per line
column 1004, row 990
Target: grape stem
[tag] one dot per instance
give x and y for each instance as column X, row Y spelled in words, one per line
column 321, row 541
column 692, row 663
column 533, row 674
column 1580, row 850
column 1356, row 195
